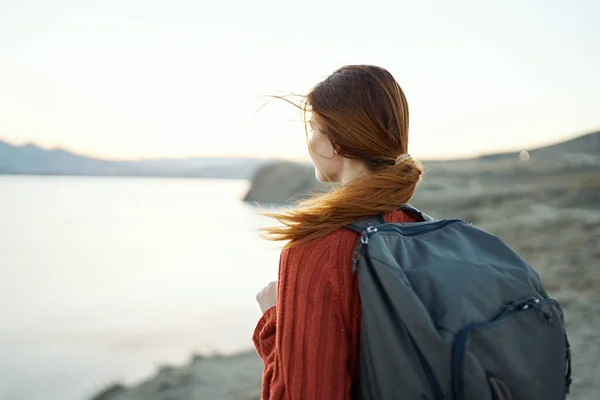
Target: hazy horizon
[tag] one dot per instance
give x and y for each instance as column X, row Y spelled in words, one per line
column 290, row 158
column 127, row 80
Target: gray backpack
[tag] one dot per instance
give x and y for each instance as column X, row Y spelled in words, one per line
column 451, row 312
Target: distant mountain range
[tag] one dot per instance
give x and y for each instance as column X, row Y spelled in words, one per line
column 33, row 160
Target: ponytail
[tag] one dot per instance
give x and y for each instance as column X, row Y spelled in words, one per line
column 385, row 189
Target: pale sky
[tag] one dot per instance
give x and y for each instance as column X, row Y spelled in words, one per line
column 133, row 78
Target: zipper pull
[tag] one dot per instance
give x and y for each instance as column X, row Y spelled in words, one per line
column 365, row 236
column 513, row 305
column 364, row 240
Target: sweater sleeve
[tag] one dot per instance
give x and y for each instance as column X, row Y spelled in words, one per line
column 309, row 356
column 264, row 334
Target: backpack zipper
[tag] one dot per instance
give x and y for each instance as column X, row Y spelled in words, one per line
column 371, row 230
column 426, row 227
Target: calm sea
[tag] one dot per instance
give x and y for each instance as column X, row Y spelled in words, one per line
column 104, row 279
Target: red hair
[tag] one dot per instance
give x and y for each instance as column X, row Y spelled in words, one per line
column 364, row 113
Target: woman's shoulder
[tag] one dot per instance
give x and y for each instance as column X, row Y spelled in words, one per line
column 337, row 241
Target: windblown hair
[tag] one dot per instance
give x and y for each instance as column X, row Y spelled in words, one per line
column 364, row 113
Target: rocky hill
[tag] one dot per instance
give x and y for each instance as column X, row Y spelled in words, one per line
column 285, row 182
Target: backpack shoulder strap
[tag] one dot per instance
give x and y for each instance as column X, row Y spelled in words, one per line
column 361, row 226
column 407, row 208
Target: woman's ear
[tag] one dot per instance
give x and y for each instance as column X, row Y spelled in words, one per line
column 336, row 149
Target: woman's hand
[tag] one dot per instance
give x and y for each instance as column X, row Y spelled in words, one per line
column 267, row 297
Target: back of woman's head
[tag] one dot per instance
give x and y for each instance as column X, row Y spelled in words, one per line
column 363, row 112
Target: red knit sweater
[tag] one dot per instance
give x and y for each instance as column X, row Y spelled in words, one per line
column 309, row 341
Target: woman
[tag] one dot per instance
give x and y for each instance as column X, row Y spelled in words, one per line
column 308, row 335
